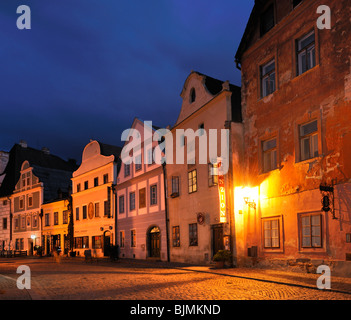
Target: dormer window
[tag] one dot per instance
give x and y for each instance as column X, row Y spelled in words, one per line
column 192, row 95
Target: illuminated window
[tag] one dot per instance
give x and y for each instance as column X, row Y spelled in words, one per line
column 121, row 239
column 309, row 140
column 271, row 233
column 96, row 242
column 193, row 234
column 268, row 78
column 306, row 56
column 311, row 230
column 142, row 198
column 132, row 238
column 175, row 236
column 269, row 150
column 192, row 181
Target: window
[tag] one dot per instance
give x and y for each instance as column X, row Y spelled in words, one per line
column 28, row 179
column 267, row 20
column 77, row 213
column 212, row 174
column 97, row 242
column 268, row 78
column 105, row 178
column 133, row 238
column 16, row 223
column 81, row 242
column 121, row 204
column 23, row 180
column 142, row 198
column 47, row 219
column 193, row 234
column 138, row 163
column 176, row 236
column 153, row 194
column 309, row 140
column 306, row 56
column 311, row 231
column 65, row 217
column 107, row 208
column 4, row 202
column 84, row 212
column 271, row 233
column 192, row 181
column 28, row 222
column 4, row 223
column 269, row 155
column 192, row 95
column 97, row 209
column 175, row 186
column 150, row 156
column 35, row 221
column 30, row 201
column 23, row 222
column 96, row 182
column 21, row 203
column 132, row 201
column 126, row 170
column 78, row 187
column 121, row 239
column 56, row 221
column 201, row 129
column 19, row 244
column 86, row 185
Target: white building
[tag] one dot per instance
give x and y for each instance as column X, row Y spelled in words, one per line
column 141, row 218
column 93, row 200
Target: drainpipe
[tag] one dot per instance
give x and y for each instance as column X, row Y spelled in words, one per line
column 166, row 208
column 10, row 221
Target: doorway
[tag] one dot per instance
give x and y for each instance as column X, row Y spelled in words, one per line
column 107, row 244
column 217, row 238
column 154, row 241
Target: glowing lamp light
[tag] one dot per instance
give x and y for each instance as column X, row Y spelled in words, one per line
column 33, row 236
column 245, row 196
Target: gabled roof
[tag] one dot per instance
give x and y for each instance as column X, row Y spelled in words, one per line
column 110, row 150
column 44, row 166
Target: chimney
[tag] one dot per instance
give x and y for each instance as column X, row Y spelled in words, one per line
column 23, row 144
column 45, row 150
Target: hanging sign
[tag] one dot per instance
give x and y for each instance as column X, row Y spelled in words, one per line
column 221, row 192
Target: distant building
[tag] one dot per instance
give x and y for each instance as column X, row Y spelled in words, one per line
column 198, row 225
column 293, row 202
column 4, row 158
column 141, row 217
column 93, row 199
column 32, row 177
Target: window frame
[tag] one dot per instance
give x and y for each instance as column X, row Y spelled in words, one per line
column 133, row 238
column 270, row 238
column 269, row 151
column 191, row 188
column 310, row 235
column 120, row 204
column 132, row 200
column 264, row 75
column 176, row 236
column 310, row 136
column 193, row 235
column 153, row 195
column 305, row 49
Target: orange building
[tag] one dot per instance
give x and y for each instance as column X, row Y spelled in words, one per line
column 292, row 198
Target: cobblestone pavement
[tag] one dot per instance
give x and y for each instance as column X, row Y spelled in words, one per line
column 74, row 279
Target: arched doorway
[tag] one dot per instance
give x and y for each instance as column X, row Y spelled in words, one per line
column 107, row 243
column 154, row 242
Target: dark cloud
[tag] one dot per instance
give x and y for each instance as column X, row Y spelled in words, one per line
column 87, row 68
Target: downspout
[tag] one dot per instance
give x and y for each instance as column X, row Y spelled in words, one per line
column 10, row 220
column 166, row 208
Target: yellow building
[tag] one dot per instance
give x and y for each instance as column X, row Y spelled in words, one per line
column 55, row 221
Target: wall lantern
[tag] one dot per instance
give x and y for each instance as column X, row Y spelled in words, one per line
column 327, row 199
column 33, row 236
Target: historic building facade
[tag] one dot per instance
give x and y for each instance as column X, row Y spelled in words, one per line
column 141, row 218
column 199, row 219
column 93, row 199
column 292, row 202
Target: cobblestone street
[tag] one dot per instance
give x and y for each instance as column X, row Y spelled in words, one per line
column 74, row 279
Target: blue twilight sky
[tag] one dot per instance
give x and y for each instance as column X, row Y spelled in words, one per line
column 88, row 67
